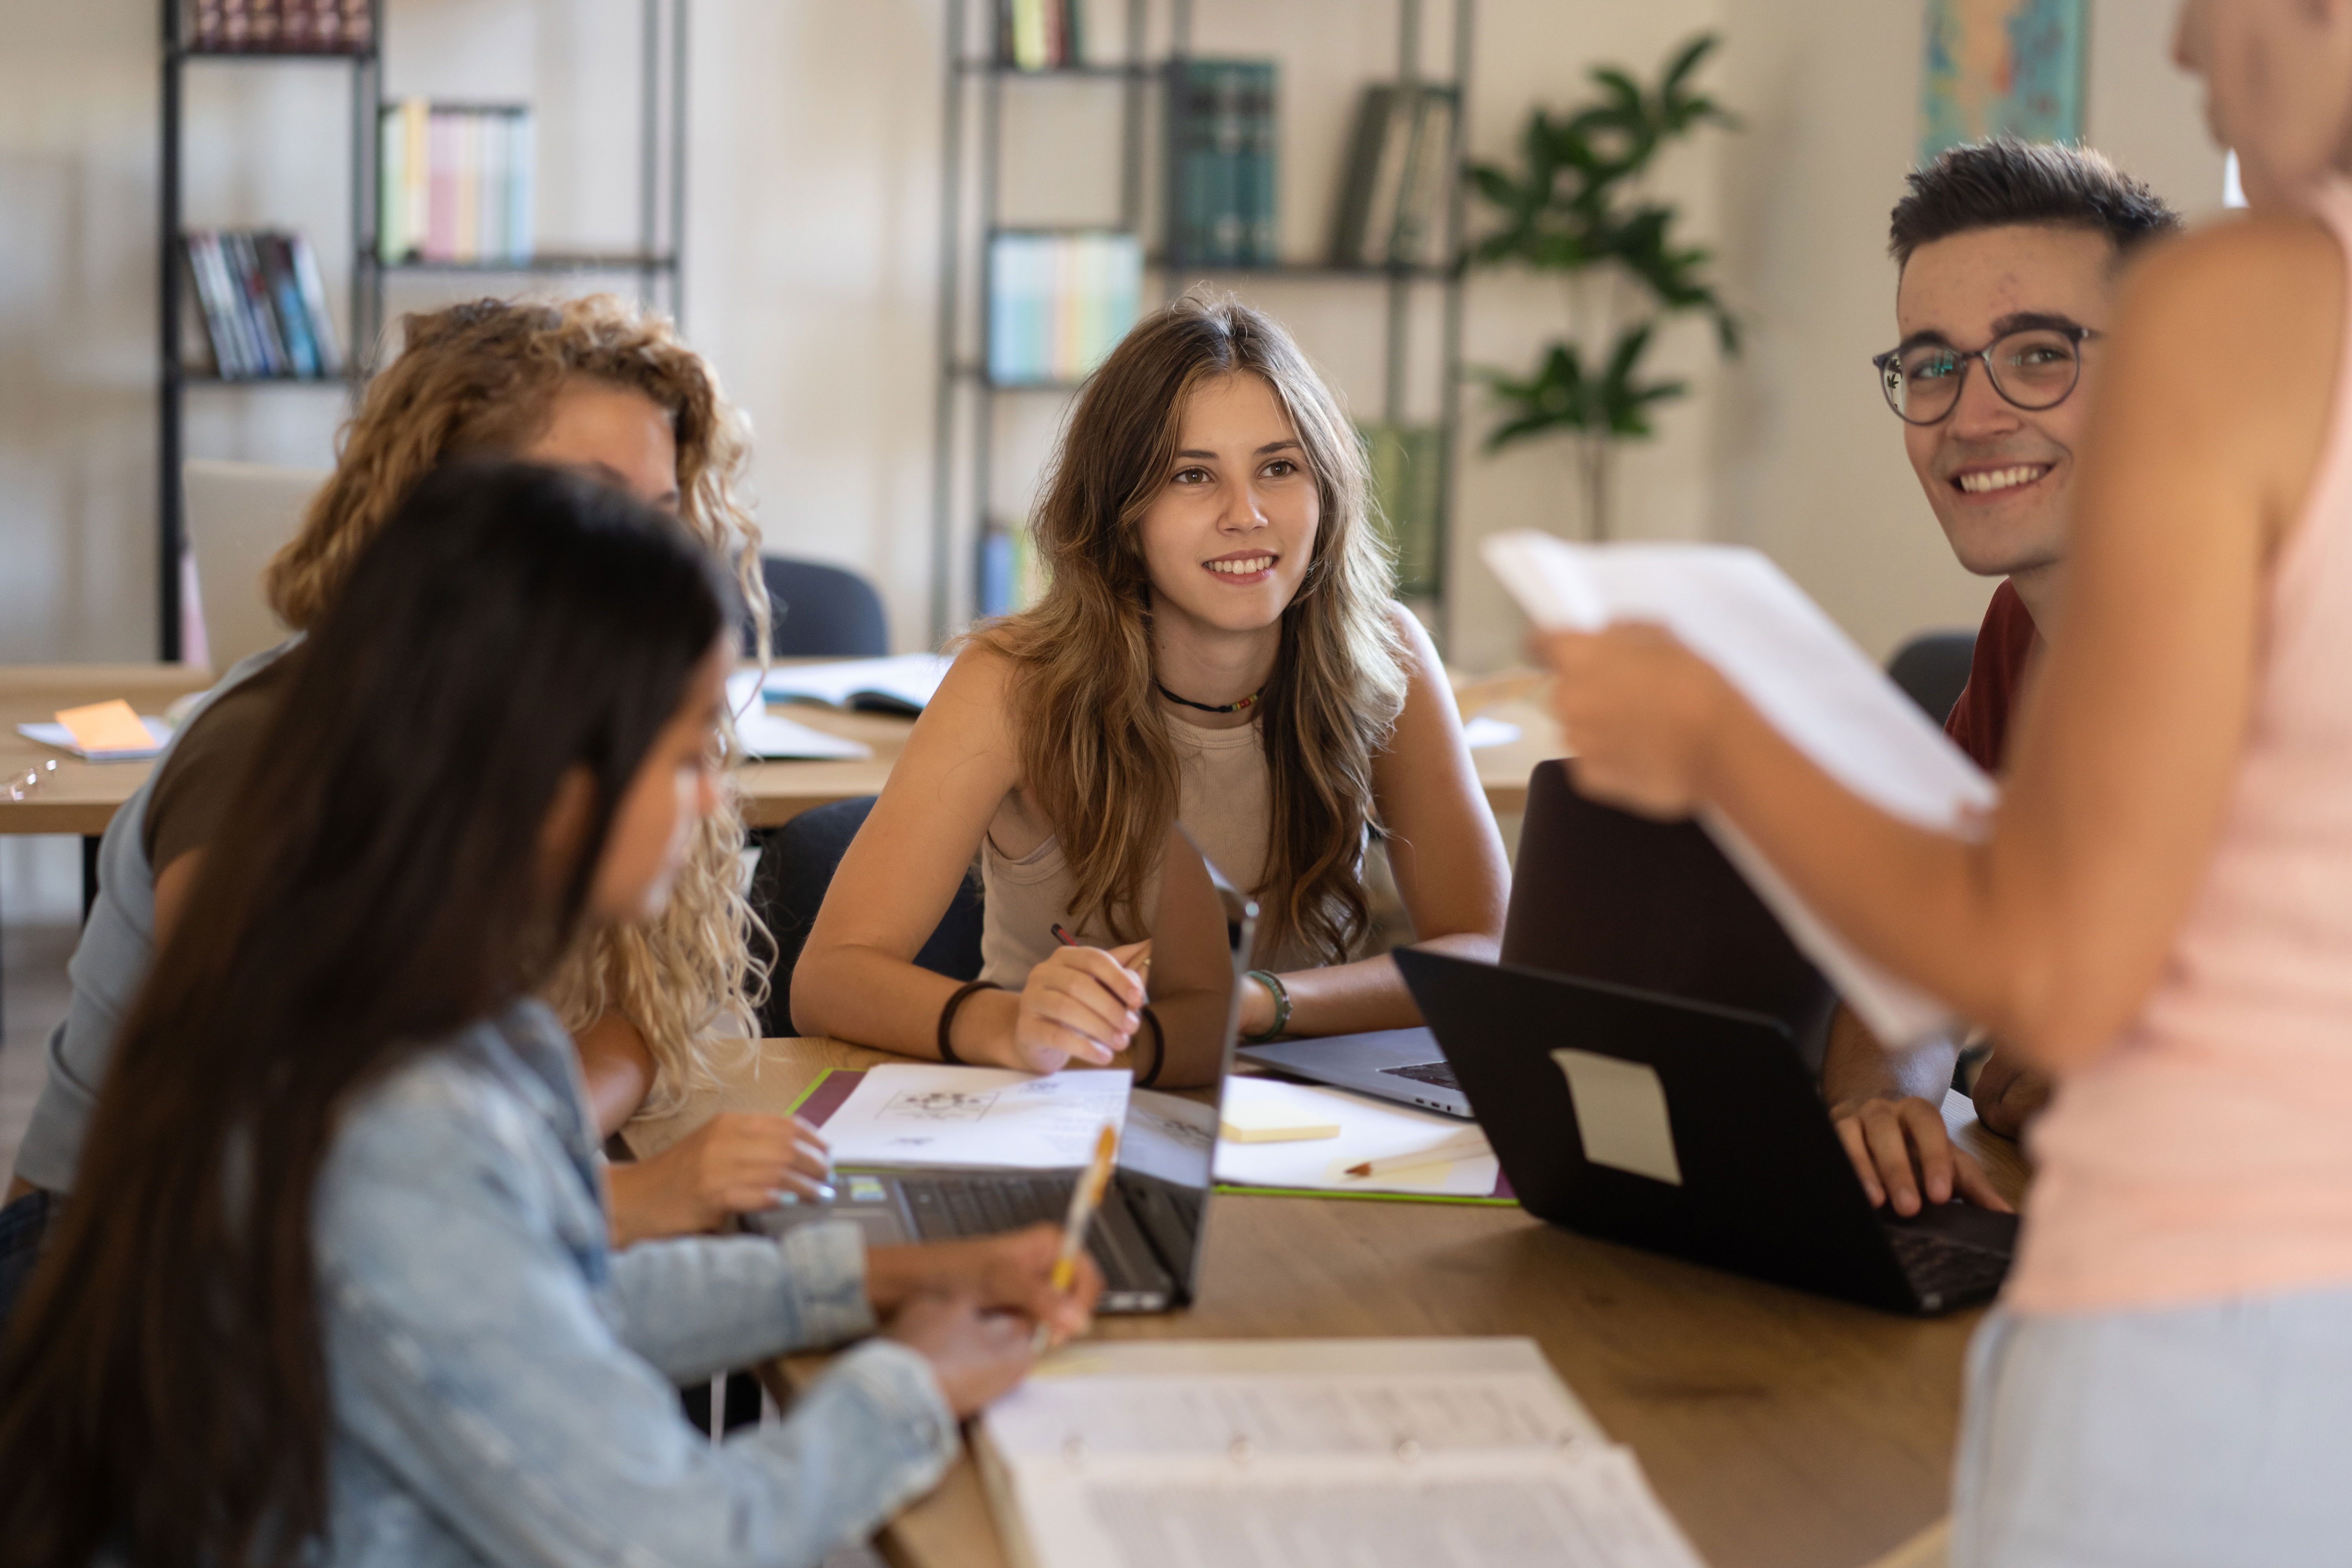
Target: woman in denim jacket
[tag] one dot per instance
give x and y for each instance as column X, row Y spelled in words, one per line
column 336, row 1288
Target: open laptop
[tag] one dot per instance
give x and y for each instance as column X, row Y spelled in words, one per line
column 1689, row 1129
column 1604, row 895
column 1145, row 1237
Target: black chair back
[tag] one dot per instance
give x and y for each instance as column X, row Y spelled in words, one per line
column 1932, row 668
column 797, row 862
column 823, row 612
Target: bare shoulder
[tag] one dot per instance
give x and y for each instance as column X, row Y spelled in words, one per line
column 972, row 708
column 2235, row 292
column 2240, row 329
column 1420, row 657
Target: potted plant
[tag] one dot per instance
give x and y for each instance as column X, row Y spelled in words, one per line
column 1577, row 205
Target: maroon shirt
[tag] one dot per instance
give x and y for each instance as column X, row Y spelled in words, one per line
column 1979, row 723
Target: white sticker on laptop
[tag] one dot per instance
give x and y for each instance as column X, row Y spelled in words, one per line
column 1620, row 1114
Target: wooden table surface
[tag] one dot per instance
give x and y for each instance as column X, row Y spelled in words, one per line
column 80, row 797
column 1780, row 1428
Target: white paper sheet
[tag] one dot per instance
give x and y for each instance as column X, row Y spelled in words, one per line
column 776, row 738
column 1369, row 1130
column 1737, row 611
column 913, row 1113
column 909, row 679
column 1487, row 731
column 60, row 737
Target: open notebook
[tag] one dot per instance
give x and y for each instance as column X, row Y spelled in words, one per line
column 1273, row 1453
column 1737, row 611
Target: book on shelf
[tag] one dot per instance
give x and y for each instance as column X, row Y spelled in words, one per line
column 453, row 183
column 280, row 27
column 1058, row 302
column 1041, row 35
column 1407, row 463
column 1012, row 572
column 1220, row 162
column 1398, row 178
column 263, row 303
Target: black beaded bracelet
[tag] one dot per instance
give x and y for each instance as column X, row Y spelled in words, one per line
column 1159, row 1050
column 948, row 1013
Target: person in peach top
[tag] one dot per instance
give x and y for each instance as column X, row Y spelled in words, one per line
column 2160, row 915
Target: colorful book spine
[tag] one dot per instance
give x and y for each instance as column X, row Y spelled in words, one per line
column 1221, row 206
column 1040, row 34
column 263, row 307
column 1058, row 303
column 453, row 184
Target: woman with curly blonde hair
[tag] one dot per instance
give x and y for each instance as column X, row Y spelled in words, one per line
column 1218, row 645
column 589, row 383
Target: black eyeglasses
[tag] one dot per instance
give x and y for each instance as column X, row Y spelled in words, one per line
column 2032, row 368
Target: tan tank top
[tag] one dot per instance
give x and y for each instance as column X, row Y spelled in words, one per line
column 1222, row 798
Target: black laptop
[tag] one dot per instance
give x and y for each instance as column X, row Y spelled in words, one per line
column 1145, row 1237
column 1688, row 1128
column 1604, row 895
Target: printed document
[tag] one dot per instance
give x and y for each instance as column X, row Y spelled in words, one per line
column 914, row 1114
column 1328, row 1454
column 903, row 684
column 1737, row 611
column 774, row 737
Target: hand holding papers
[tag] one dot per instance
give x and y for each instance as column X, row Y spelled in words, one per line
column 1736, row 610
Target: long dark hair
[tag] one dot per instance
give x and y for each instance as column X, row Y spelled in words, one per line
column 376, row 885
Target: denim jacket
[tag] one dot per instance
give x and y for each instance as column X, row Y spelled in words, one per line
column 505, row 1387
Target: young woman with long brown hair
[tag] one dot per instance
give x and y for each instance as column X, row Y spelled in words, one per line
column 591, row 384
column 335, row 1287
column 1218, row 645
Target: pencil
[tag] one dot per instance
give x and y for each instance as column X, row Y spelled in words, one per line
column 1467, row 1145
column 1085, row 1198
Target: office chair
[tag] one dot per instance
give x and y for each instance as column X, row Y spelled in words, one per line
column 821, row 612
column 238, row 514
column 796, row 865
column 1932, row 668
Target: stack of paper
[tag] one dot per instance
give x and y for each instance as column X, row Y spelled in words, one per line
column 1369, row 1130
column 103, row 732
column 1737, row 611
column 1271, row 1453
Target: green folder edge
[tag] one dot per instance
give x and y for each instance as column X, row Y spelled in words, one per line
column 1231, row 1190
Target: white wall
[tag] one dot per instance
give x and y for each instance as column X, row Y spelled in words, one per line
column 812, row 247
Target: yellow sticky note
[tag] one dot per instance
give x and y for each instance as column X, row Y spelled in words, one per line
column 106, row 727
column 1264, row 1121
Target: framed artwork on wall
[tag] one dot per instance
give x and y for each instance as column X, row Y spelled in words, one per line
column 2001, row 65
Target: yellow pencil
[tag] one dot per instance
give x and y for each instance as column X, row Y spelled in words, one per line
column 1084, row 1199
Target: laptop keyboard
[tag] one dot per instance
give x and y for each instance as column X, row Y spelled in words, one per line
column 951, row 1208
column 1945, row 1273
column 1438, row 1073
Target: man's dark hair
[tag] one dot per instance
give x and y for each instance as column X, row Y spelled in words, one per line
column 1990, row 184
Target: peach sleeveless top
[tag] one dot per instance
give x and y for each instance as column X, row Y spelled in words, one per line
column 1224, row 796
column 2209, row 1154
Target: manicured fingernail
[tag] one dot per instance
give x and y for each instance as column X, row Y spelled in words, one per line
column 786, row 1200
column 825, row 1192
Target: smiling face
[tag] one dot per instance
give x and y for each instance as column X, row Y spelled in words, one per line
column 1998, row 476
column 1228, row 539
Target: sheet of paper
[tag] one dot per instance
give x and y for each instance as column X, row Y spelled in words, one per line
column 158, row 733
column 1483, row 731
column 1737, row 611
column 1369, row 1130
column 910, row 678
column 109, row 726
column 914, row 1113
column 1591, row 1510
column 774, row 737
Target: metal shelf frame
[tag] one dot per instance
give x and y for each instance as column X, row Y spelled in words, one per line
column 964, row 415
column 657, row 262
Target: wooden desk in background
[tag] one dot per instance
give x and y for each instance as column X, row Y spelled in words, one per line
column 81, row 798
column 1781, row 1428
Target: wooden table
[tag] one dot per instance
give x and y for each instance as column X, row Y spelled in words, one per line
column 81, row 797
column 1780, row 1428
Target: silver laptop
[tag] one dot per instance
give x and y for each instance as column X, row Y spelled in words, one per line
column 1146, row 1238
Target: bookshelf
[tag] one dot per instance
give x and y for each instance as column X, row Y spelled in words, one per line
column 967, row 413
column 655, row 264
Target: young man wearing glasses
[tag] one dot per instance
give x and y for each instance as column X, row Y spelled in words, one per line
column 2009, row 255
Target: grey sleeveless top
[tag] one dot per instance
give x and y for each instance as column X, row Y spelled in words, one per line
column 109, row 965
column 1224, row 798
